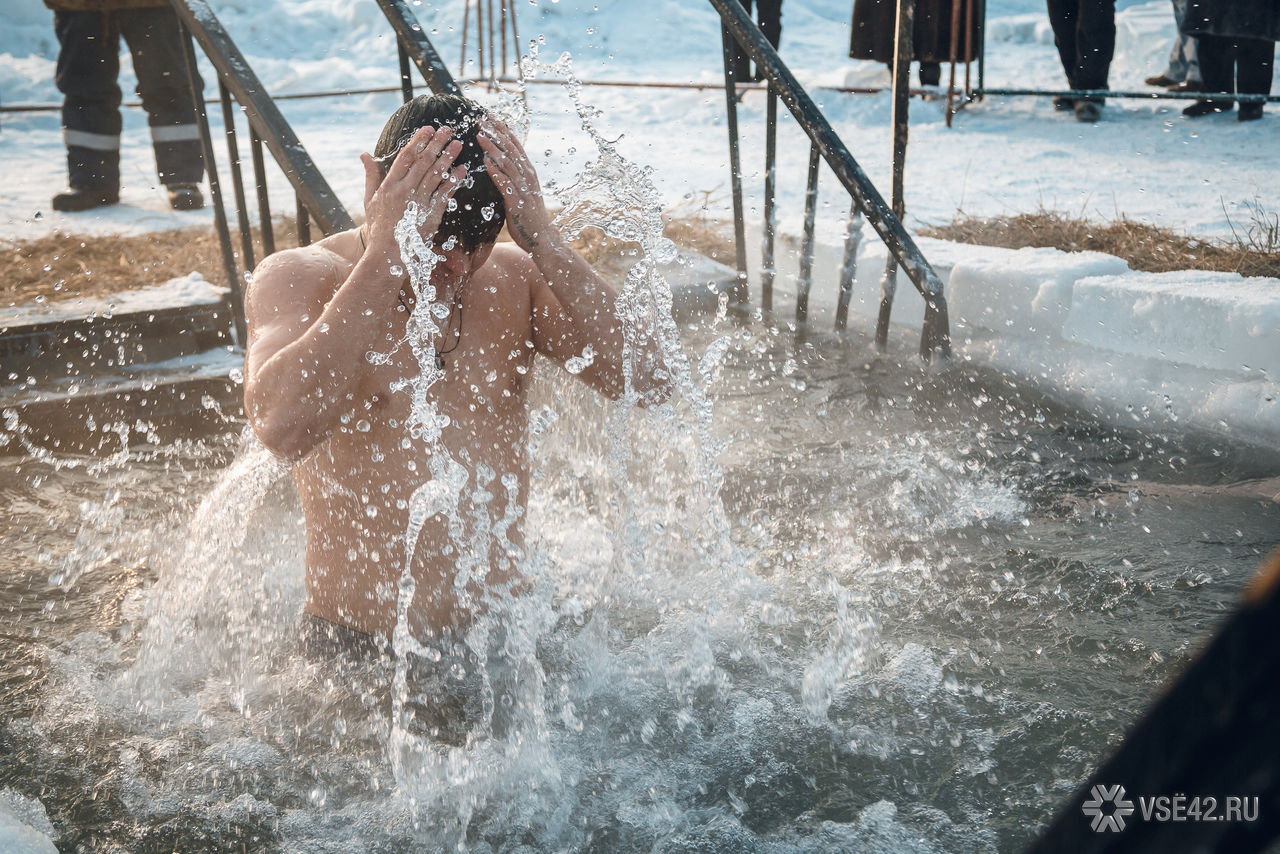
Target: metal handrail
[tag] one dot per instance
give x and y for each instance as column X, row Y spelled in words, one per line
column 263, row 115
column 867, row 201
column 267, row 127
column 414, row 42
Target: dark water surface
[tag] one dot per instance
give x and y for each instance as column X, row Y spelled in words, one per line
column 944, row 600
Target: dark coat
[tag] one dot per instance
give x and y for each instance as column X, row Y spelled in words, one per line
column 1241, row 19
column 875, row 25
column 102, row 5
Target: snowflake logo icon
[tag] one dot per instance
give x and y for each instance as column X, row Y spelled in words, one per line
column 1113, row 820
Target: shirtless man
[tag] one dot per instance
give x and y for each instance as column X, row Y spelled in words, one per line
column 313, row 396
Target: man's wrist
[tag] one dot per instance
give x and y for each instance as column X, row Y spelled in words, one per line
column 550, row 249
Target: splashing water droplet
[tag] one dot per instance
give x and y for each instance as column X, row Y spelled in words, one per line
column 236, row 375
column 578, row 364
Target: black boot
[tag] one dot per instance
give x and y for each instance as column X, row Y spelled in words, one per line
column 1207, row 107
column 1249, row 112
column 185, row 197
column 84, row 198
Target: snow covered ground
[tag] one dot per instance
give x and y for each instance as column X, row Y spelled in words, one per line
column 1004, row 155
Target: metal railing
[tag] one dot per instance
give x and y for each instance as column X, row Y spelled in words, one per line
column 866, row 201
column 267, row 127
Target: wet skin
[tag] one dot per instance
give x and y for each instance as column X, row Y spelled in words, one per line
column 314, row 398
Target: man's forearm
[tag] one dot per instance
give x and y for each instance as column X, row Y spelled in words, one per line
column 591, row 304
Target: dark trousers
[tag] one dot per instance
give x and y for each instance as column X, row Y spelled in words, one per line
column 1085, row 33
column 88, row 65
column 769, row 16
column 1236, row 65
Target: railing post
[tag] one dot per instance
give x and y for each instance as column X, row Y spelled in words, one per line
column 982, row 48
column 406, row 81
column 805, row 282
column 849, row 268
column 304, row 224
column 740, row 293
column 237, row 181
column 955, row 52
column 264, row 205
column 215, row 189
column 768, row 268
column 901, row 100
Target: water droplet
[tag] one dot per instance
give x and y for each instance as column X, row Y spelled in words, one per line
column 578, row 364
column 236, row 375
column 363, row 426
column 396, row 270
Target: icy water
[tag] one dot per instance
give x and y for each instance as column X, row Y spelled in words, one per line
column 936, row 602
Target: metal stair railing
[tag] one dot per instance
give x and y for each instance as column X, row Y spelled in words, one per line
column 267, row 127
column 866, row 201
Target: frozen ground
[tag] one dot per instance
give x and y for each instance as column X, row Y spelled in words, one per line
column 1003, row 156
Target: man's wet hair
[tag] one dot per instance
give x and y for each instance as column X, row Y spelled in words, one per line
column 478, row 217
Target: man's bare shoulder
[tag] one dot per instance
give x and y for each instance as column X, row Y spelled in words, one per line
column 511, row 259
column 294, row 277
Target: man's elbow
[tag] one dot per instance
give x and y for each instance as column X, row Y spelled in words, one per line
column 279, row 435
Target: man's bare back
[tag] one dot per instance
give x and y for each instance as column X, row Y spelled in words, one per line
column 314, row 396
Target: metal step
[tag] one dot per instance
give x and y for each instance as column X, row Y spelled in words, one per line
column 89, row 337
column 189, row 397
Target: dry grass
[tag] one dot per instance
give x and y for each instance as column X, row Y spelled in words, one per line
column 65, row 266
column 1253, row 250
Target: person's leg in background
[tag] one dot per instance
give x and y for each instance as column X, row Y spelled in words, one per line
column 1187, row 53
column 741, row 63
column 88, row 65
column 1182, row 74
column 1062, row 18
column 1217, row 63
column 155, row 43
column 1254, row 68
column 1095, row 46
column 769, row 14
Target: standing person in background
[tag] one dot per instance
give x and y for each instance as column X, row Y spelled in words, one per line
column 1237, row 45
column 1183, row 71
column 1085, row 33
column 875, row 29
column 88, row 34
column 769, row 16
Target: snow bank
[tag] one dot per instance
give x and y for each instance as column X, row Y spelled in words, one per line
column 24, row 826
column 188, row 290
column 1221, row 321
column 1169, row 351
column 1026, row 292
